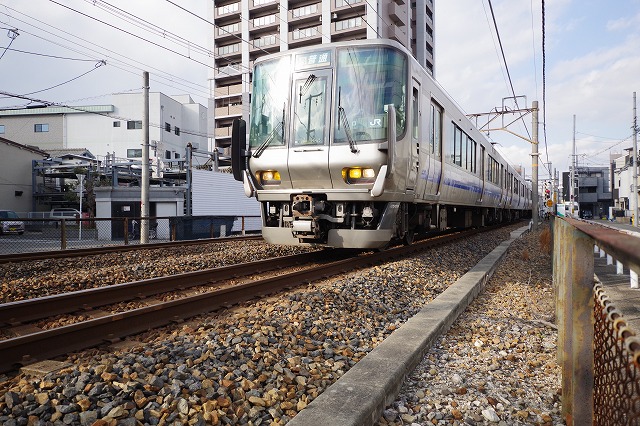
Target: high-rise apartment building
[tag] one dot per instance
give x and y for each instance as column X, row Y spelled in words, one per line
column 247, row 29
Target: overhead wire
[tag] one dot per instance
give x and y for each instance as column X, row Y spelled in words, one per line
column 98, row 65
column 506, row 66
column 90, row 46
column 12, row 34
column 52, row 56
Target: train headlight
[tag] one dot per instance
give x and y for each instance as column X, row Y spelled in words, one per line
column 358, row 175
column 268, row 177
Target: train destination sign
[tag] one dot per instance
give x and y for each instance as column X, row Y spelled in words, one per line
column 313, row 59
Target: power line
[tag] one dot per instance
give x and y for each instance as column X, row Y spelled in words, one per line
column 504, row 58
column 544, row 84
column 132, row 34
column 98, row 65
column 93, row 50
column 12, row 34
column 51, row 56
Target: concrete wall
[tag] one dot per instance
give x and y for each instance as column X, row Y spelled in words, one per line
column 15, row 166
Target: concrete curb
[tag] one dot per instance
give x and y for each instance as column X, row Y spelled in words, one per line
column 360, row 396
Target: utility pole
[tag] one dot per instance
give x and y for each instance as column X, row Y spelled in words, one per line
column 521, row 112
column 572, row 174
column 534, row 164
column 634, row 165
column 144, row 190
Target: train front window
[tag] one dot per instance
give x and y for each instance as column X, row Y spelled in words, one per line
column 309, row 118
column 269, row 103
column 367, row 80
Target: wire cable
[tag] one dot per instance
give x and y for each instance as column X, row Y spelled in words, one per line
column 12, row 34
column 98, row 65
column 504, row 58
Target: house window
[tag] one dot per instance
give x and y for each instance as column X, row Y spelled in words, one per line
column 177, row 130
column 116, row 124
column 134, row 153
column 167, row 127
column 167, row 155
column 134, row 125
column 39, row 128
column 176, row 155
column 1, row 129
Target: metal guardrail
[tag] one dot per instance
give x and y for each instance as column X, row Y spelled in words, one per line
column 66, row 234
column 598, row 353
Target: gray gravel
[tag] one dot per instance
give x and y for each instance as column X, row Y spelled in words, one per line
column 262, row 362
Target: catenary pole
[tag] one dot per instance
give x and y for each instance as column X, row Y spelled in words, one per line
column 534, row 164
column 634, row 165
column 144, row 193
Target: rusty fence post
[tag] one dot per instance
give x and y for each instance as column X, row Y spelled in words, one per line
column 573, row 278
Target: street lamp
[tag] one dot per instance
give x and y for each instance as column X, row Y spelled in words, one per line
column 81, row 180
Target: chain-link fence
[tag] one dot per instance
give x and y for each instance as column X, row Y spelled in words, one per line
column 616, row 357
column 598, row 352
column 26, row 235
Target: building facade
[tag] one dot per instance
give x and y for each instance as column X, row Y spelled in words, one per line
column 114, row 130
column 622, row 182
column 247, row 29
column 593, row 191
column 16, row 180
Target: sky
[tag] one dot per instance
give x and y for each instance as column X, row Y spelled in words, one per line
column 591, row 63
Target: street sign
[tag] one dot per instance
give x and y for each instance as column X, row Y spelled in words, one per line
column 549, row 203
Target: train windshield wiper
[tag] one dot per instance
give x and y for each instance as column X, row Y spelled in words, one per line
column 342, row 118
column 270, row 137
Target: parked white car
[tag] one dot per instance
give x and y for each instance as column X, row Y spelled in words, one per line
column 12, row 226
column 64, row 213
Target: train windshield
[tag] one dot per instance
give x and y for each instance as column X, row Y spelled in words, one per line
column 368, row 79
column 269, row 103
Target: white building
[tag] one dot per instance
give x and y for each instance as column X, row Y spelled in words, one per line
column 622, row 182
column 114, row 129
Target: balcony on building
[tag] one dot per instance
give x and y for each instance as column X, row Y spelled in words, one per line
column 264, row 23
column 349, row 29
column 227, row 10
column 305, row 36
column 228, row 32
column 228, row 70
column 234, row 110
column 263, row 5
column 232, row 90
column 356, row 6
column 230, row 52
column 396, row 33
column 397, row 13
column 267, row 43
column 305, row 15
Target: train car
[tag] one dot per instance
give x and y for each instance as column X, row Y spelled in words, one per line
column 354, row 145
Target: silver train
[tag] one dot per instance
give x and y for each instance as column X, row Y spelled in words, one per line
column 354, row 145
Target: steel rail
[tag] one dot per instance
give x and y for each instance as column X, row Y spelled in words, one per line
column 26, row 349
column 22, row 311
column 57, row 254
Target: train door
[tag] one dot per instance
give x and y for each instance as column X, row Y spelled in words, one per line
column 482, row 174
column 308, row 160
column 413, row 162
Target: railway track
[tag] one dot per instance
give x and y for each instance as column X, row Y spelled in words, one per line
column 38, row 345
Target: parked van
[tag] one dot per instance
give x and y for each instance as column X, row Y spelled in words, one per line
column 64, row 213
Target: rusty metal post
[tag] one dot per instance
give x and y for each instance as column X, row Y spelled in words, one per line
column 63, row 234
column 573, row 275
